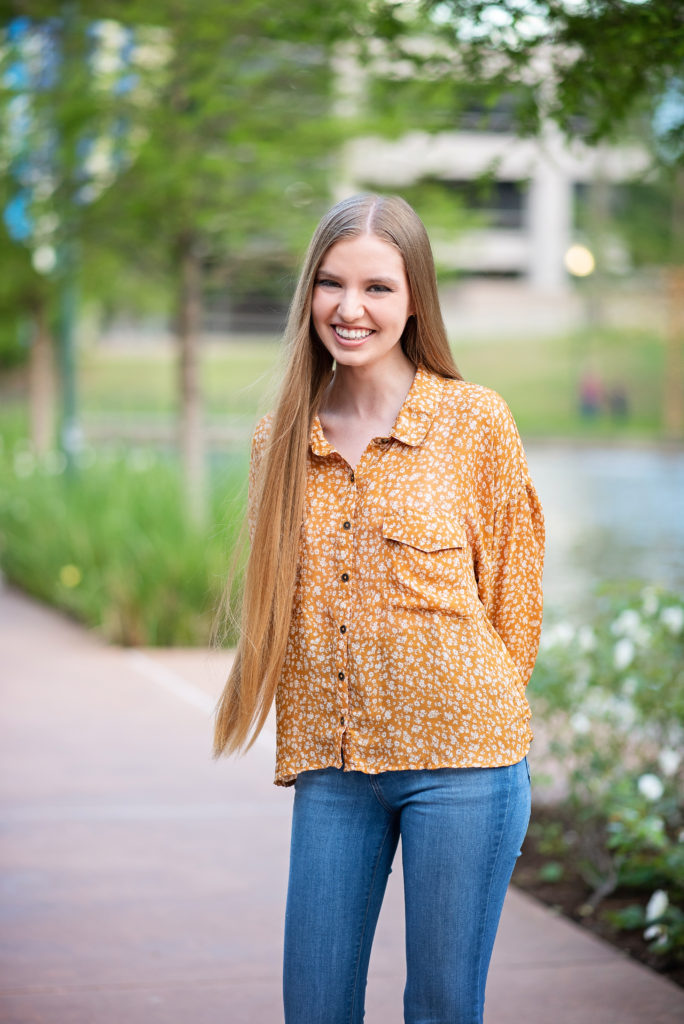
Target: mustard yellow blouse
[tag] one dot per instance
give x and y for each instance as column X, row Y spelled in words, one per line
column 417, row 608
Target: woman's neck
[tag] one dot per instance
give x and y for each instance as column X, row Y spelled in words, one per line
column 372, row 393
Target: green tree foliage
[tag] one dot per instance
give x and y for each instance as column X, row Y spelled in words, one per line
column 603, row 57
column 600, row 69
column 210, row 136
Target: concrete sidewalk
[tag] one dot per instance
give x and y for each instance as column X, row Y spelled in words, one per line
column 142, row 882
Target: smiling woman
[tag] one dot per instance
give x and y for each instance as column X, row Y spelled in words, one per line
column 360, row 307
column 392, row 606
column 361, row 301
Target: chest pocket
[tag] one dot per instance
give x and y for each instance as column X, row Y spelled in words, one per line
column 429, row 562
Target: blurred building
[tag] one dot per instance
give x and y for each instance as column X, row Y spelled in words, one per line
column 513, row 257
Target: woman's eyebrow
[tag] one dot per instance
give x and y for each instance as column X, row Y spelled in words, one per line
column 376, row 279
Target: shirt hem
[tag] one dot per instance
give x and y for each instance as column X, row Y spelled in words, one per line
column 289, row 776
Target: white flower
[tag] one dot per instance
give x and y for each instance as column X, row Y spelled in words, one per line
column 657, row 905
column 650, row 786
column 669, row 760
column 657, row 932
column 623, row 653
column 560, row 635
column 627, row 623
column 564, row 633
column 649, row 598
column 586, row 639
column 580, row 723
column 642, row 636
column 672, row 618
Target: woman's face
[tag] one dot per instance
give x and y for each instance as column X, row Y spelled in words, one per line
column 361, row 300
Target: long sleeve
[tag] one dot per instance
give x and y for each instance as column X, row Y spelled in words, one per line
column 510, row 584
column 515, row 600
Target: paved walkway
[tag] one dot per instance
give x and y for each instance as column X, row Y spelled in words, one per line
column 143, row 883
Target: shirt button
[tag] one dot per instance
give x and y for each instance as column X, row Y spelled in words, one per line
column 346, row 524
column 340, row 675
column 352, row 477
column 341, row 719
column 343, row 629
column 345, row 577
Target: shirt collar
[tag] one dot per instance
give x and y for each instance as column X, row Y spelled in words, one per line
column 419, row 408
column 413, row 421
column 318, row 441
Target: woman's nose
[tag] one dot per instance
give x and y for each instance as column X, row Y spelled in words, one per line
column 350, row 306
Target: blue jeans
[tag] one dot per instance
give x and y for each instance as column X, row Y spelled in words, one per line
column 461, row 831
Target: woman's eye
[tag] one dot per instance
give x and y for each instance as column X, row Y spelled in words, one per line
column 327, row 283
column 378, row 288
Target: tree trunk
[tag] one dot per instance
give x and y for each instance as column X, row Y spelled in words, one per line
column 42, row 384
column 673, row 398
column 191, row 425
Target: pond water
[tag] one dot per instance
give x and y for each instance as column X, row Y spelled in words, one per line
column 612, row 514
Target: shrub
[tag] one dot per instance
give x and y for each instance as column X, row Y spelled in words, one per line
column 111, row 544
column 610, row 701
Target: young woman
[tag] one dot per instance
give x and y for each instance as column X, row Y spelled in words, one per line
column 392, row 606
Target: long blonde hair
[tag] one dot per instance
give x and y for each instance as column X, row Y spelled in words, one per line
column 281, row 482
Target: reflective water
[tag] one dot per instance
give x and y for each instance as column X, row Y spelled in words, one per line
column 611, row 514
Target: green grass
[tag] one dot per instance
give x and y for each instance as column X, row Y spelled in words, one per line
column 235, row 379
column 537, row 377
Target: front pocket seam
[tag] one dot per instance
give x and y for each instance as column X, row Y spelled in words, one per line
column 438, row 534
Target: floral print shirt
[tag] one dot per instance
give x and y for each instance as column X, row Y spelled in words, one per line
column 417, row 606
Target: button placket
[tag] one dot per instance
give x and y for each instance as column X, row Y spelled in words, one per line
column 346, row 555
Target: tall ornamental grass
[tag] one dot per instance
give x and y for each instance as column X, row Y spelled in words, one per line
column 110, row 543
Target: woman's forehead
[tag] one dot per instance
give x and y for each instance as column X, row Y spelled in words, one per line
column 364, row 252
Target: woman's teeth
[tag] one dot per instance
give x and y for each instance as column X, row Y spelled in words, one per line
column 355, row 335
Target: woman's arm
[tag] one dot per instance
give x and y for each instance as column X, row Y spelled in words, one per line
column 511, row 585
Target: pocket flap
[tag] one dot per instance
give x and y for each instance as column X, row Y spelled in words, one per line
column 426, row 531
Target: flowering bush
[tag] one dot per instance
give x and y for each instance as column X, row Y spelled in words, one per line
column 609, row 702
